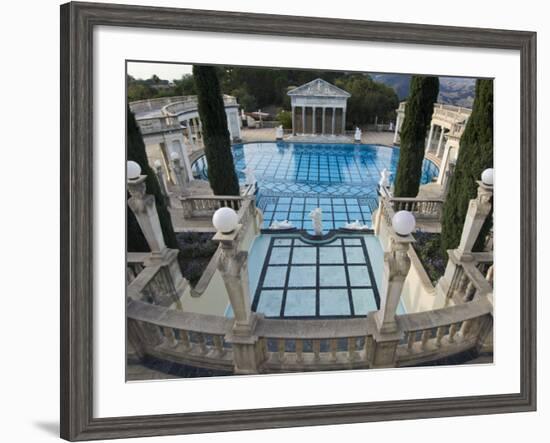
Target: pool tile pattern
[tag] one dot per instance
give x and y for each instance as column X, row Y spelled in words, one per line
column 302, row 279
column 294, row 178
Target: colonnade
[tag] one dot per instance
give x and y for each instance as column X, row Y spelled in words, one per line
column 325, row 120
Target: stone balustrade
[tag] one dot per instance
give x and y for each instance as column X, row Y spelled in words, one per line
column 295, row 345
column 150, row 126
column 206, row 205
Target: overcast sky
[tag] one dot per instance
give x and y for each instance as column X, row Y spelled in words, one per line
column 165, row 71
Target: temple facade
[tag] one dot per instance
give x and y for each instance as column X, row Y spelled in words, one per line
column 318, row 108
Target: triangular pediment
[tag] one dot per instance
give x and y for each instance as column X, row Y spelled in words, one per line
column 318, row 88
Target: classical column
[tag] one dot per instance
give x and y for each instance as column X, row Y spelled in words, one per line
column 233, row 266
column 396, row 129
column 180, row 172
column 429, row 143
column 190, row 132
column 440, row 143
column 303, row 119
column 160, row 177
column 333, row 119
column 444, row 163
column 293, row 120
column 343, row 121
column 323, row 121
column 313, row 122
column 478, row 210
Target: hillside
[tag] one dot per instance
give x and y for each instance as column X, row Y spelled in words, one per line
column 452, row 90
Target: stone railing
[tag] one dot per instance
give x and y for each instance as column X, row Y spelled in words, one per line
column 296, row 345
column 442, row 333
column 206, row 205
column 182, row 337
column 421, row 208
column 157, row 125
column 473, row 278
column 135, row 263
column 154, row 285
column 190, row 104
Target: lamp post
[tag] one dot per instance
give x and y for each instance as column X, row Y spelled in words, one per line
column 145, row 210
column 386, row 335
column 233, row 266
column 478, row 210
column 396, row 267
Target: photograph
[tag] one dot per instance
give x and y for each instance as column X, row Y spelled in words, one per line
column 285, row 220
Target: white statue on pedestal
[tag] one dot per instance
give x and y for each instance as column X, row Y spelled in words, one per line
column 317, row 219
column 250, row 178
column 391, row 127
column 384, row 178
column 357, row 135
column 279, row 132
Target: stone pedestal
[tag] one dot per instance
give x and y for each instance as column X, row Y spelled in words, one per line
column 479, row 209
column 396, row 267
column 383, row 347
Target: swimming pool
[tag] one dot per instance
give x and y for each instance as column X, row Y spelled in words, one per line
column 294, row 178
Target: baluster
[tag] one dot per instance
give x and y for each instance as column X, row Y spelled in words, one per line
column 469, row 293
column 333, row 347
column 281, row 349
column 439, row 336
column 218, row 345
column 352, row 355
column 369, row 347
column 170, row 336
column 184, row 340
column 426, row 333
column 466, row 326
column 411, row 337
column 316, row 349
column 452, row 332
column 490, row 274
column 299, row 351
column 202, row 343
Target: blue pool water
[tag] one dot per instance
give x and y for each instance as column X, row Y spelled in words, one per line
column 294, row 178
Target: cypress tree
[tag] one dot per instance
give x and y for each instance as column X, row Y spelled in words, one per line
column 217, row 144
column 474, row 156
column 418, row 114
column 136, row 152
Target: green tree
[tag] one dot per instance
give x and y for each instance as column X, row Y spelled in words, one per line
column 285, row 117
column 185, row 85
column 217, row 145
column 136, row 152
column 474, row 156
column 418, row 114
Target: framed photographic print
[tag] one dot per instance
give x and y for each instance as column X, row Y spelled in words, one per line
column 292, row 221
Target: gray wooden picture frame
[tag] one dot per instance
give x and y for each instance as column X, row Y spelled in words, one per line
column 77, row 23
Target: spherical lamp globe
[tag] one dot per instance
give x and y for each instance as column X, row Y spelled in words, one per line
column 403, row 223
column 225, row 220
column 487, row 176
column 133, row 170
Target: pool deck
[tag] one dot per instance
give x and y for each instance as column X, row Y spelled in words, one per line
column 268, row 135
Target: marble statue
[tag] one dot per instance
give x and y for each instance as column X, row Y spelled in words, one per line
column 317, row 219
column 384, row 178
column 357, row 135
column 250, row 178
column 279, row 132
column 391, row 127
